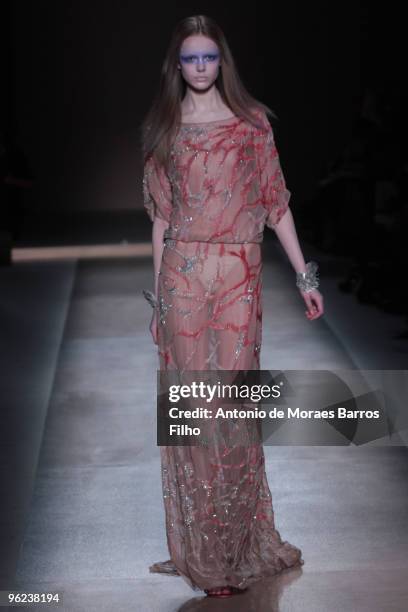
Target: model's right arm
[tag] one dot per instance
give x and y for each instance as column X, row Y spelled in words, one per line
column 159, row 227
column 157, row 197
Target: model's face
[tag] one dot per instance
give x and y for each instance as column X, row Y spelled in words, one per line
column 199, row 61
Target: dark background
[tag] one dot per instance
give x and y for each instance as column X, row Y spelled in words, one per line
column 79, row 77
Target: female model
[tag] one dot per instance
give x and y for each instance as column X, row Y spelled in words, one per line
column 212, row 181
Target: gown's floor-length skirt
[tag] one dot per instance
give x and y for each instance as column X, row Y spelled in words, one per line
column 218, row 505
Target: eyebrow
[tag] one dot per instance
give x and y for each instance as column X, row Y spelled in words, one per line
column 203, row 53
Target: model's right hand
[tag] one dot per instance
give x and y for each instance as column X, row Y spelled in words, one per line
column 153, row 326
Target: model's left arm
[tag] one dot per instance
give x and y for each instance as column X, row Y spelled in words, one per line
column 275, row 196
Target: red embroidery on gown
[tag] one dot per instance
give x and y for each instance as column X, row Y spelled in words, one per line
column 223, row 186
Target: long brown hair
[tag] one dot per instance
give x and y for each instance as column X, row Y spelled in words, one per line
column 160, row 125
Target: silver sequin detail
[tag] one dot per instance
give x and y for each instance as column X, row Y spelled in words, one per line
column 248, row 297
column 163, row 308
column 188, row 265
column 188, row 470
column 239, row 344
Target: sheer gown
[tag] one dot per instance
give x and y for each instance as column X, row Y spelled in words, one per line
column 223, row 185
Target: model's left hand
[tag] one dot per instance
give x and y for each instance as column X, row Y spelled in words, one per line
column 314, row 302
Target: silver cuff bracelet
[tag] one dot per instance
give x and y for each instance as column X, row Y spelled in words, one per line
column 308, row 281
column 150, row 297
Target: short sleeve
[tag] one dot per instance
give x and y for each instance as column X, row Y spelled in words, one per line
column 274, row 193
column 157, row 196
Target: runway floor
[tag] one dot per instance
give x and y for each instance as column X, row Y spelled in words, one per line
column 84, row 515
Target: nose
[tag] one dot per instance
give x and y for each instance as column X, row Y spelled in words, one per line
column 200, row 64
